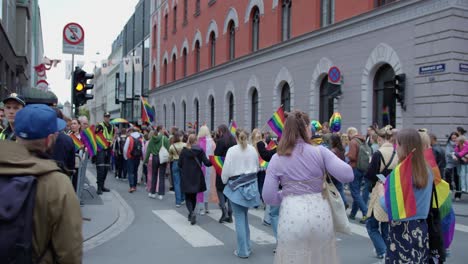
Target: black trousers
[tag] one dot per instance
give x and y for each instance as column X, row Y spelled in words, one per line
column 159, row 170
column 120, row 168
column 190, row 202
column 102, row 166
column 451, row 176
column 260, row 181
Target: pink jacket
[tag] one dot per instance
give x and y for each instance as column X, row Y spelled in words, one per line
column 462, row 152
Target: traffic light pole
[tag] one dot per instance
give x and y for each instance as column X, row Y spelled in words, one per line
column 76, row 108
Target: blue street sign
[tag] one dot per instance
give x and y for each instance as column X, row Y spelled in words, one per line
column 463, row 67
column 432, row 68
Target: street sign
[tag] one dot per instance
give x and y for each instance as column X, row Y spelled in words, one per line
column 463, row 67
column 73, row 39
column 432, row 68
column 334, row 75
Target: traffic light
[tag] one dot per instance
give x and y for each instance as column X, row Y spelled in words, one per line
column 80, row 86
column 400, row 84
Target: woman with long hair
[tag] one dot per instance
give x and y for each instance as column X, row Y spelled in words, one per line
column 408, row 238
column 224, row 142
column 192, row 179
column 240, row 172
column 336, row 146
column 174, row 151
column 451, row 173
column 461, row 155
column 305, row 229
column 208, row 145
column 75, row 127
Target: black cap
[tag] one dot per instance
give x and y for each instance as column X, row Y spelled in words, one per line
column 16, row 97
column 107, row 114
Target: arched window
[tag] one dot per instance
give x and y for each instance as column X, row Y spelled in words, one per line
column 232, row 39
column 231, row 107
column 212, row 113
column 155, row 34
column 185, row 12
column 197, row 56
column 165, row 72
column 184, row 62
column 384, row 105
column 174, row 67
column 165, row 115
column 254, row 116
column 173, row 114
column 286, row 19
column 326, row 106
column 184, row 114
column 255, row 28
column 166, row 21
column 286, row 97
column 197, row 114
column 174, row 29
column 212, row 49
column 153, row 77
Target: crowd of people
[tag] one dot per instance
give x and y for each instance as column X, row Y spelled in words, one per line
column 289, row 188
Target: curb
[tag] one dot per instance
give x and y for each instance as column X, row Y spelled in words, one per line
column 125, row 217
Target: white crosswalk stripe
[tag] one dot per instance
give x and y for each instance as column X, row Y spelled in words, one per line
column 193, row 234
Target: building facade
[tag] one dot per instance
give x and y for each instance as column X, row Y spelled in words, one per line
column 216, row 61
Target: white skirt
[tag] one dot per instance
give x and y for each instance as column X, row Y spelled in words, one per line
column 305, row 231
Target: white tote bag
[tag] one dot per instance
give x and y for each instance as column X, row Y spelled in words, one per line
column 163, row 153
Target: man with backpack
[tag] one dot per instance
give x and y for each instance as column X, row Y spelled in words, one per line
column 133, row 153
column 40, row 216
column 359, row 157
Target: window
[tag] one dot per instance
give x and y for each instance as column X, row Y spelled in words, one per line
column 174, row 67
column 174, row 29
column 286, row 97
column 255, row 28
column 155, row 34
column 327, row 12
column 211, row 2
column 197, row 56
column 173, row 114
column 286, row 20
column 231, row 107
column 212, row 112
column 197, row 114
column 165, row 115
column 232, row 40
column 254, row 116
column 326, row 105
column 184, row 112
column 185, row 12
column 384, row 105
column 165, row 72
column 165, row 26
column 212, row 49
column 184, row 62
column 197, row 7
column 382, row 2
column 153, row 77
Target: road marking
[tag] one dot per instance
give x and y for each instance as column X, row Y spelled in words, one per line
column 193, row 234
column 461, row 228
column 258, row 236
column 359, row 230
column 260, row 213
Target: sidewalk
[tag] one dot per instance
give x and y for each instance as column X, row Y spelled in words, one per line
column 108, row 214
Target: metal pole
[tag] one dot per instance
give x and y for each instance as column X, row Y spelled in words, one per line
column 72, row 88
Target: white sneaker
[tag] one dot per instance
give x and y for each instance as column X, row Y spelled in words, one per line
column 160, row 197
column 152, row 195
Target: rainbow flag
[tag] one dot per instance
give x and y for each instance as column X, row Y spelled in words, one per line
column 101, row 142
column 399, row 194
column 271, row 145
column 335, row 122
column 447, row 214
column 147, row 112
column 78, row 144
column 233, row 127
column 263, row 163
column 218, row 163
column 385, row 116
column 277, row 121
column 89, row 140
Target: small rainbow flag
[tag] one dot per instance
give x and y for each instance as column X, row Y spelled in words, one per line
column 101, row 142
column 399, row 194
column 335, row 122
column 447, row 215
column 263, row 163
column 147, row 112
column 277, row 121
column 315, row 125
column 218, row 163
column 271, row 145
column 89, row 139
column 78, row 144
column 233, row 127
column 385, row 116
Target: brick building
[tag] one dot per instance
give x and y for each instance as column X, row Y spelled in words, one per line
column 214, row 60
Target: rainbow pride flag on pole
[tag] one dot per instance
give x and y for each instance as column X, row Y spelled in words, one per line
column 89, row 140
column 399, row 194
column 76, row 142
column 147, row 112
column 233, row 127
column 271, row 145
column 447, row 214
column 277, row 121
column 101, row 142
column 218, row 163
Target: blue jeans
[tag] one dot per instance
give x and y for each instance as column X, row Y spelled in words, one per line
column 359, row 200
column 274, row 216
column 340, row 187
column 132, row 171
column 242, row 230
column 378, row 233
column 179, row 196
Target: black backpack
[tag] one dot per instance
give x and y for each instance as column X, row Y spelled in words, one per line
column 137, row 149
column 17, row 199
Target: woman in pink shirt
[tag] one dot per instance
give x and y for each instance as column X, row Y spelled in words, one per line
column 305, row 230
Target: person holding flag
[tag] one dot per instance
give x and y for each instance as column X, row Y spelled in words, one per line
column 103, row 156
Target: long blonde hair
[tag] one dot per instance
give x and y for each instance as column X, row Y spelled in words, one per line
column 204, row 132
column 255, row 137
column 242, row 138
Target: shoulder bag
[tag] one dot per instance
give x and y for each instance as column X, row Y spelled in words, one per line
column 163, row 153
column 434, row 229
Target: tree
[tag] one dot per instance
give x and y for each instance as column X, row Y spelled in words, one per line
column 84, row 112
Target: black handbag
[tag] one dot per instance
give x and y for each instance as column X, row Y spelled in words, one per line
column 434, row 228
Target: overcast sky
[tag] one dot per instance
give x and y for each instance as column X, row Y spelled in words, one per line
column 102, row 21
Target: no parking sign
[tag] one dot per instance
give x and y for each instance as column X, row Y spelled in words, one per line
column 334, row 75
column 73, row 39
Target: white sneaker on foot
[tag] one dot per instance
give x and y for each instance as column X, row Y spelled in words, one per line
column 152, row 195
column 160, row 197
